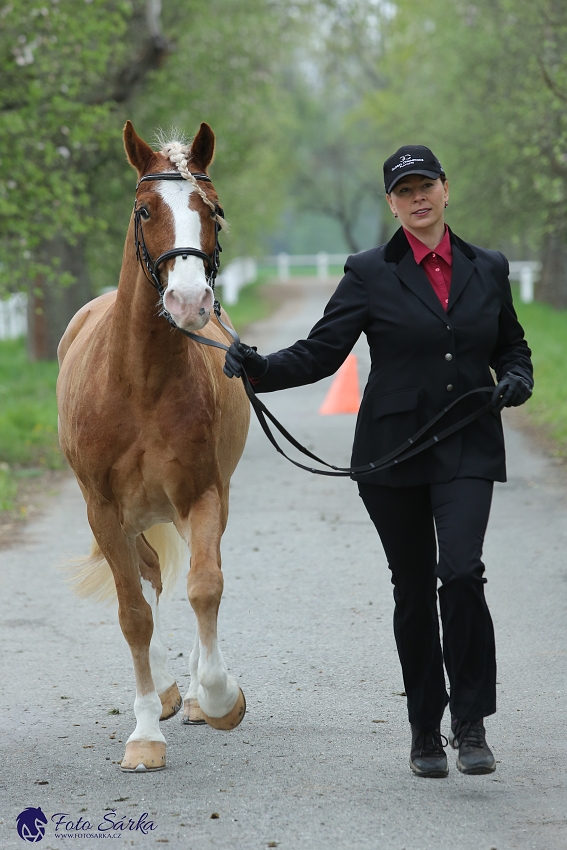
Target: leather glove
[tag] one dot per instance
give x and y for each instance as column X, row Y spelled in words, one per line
column 241, row 357
column 511, row 391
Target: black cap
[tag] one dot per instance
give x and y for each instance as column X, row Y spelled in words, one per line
column 410, row 159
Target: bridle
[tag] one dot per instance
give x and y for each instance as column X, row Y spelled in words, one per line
column 150, row 266
column 413, row 446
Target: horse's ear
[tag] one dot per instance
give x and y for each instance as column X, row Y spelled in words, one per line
column 139, row 153
column 203, row 147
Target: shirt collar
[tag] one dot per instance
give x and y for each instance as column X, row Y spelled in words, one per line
column 420, row 251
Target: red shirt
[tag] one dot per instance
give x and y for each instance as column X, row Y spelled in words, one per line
column 436, row 264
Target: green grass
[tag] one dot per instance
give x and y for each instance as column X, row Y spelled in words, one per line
column 28, row 418
column 546, row 333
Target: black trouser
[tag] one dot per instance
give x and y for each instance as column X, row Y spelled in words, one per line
column 406, row 519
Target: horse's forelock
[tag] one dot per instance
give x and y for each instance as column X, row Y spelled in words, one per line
column 175, row 140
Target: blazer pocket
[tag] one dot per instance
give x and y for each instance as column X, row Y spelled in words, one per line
column 396, row 402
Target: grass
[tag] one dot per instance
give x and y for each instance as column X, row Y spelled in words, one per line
column 546, row 333
column 28, row 419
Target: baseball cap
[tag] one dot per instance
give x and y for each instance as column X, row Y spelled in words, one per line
column 410, row 159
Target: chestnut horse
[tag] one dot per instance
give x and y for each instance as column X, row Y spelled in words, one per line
column 153, row 431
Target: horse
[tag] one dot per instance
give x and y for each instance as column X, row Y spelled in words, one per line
column 153, row 431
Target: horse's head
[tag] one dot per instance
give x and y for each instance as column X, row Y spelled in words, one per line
column 177, row 214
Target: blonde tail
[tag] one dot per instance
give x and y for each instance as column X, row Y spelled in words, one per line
column 91, row 576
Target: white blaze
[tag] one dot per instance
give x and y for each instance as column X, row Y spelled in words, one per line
column 187, row 292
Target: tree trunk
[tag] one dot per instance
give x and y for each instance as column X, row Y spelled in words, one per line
column 552, row 286
column 51, row 306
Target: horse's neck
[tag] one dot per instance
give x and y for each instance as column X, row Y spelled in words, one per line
column 143, row 347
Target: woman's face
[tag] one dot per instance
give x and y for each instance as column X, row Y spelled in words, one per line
column 419, row 201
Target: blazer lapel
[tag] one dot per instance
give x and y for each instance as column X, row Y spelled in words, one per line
column 398, row 251
column 415, row 279
column 463, row 267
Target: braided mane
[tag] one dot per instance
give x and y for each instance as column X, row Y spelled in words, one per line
column 179, row 153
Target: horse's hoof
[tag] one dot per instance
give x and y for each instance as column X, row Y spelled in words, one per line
column 170, row 701
column 233, row 718
column 142, row 756
column 192, row 714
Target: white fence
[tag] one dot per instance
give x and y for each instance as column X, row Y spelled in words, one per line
column 523, row 270
column 526, row 272
column 321, row 261
column 236, row 275
column 244, row 270
column 14, row 316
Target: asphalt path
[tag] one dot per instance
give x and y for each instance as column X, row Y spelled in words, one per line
column 321, row 759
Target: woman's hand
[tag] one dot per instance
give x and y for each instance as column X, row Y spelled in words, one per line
column 241, row 357
column 511, row 391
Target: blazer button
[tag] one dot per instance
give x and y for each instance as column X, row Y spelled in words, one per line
column 448, row 357
column 448, row 327
column 449, row 388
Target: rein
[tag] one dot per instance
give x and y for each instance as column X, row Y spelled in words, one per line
column 403, row 452
column 406, row 450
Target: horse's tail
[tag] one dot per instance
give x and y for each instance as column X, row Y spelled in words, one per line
column 92, row 576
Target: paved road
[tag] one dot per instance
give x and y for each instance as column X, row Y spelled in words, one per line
column 321, row 758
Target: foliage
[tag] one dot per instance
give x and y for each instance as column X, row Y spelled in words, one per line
column 469, row 81
column 72, row 71
column 55, row 61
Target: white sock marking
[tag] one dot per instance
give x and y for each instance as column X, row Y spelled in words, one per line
column 147, row 710
column 158, row 656
column 218, row 691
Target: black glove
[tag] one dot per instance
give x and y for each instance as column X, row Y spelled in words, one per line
column 511, row 391
column 241, row 357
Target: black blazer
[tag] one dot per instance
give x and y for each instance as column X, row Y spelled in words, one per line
column 422, row 357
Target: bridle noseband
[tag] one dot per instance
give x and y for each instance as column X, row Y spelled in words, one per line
column 150, row 266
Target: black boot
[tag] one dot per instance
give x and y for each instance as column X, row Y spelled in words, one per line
column 428, row 757
column 469, row 738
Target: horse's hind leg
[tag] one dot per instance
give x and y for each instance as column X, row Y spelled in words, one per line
column 217, row 693
column 150, row 576
column 145, row 748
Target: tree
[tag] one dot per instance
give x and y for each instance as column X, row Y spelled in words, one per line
column 485, row 86
column 64, row 67
column 72, row 71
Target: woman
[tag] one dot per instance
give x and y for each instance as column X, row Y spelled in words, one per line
column 438, row 316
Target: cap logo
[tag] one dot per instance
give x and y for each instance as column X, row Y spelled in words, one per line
column 406, row 159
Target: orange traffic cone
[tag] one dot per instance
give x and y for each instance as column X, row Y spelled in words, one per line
column 344, row 392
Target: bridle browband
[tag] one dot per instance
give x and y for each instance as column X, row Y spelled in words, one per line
column 150, row 266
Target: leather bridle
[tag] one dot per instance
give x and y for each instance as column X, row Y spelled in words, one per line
column 150, row 266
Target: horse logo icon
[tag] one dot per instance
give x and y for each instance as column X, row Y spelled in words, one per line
column 31, row 824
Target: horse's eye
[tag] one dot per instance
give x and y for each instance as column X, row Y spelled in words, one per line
column 144, row 213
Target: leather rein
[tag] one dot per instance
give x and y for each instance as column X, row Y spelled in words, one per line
column 411, row 447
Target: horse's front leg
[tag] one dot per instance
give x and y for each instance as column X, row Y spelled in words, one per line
column 216, row 693
column 150, row 575
column 145, row 748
